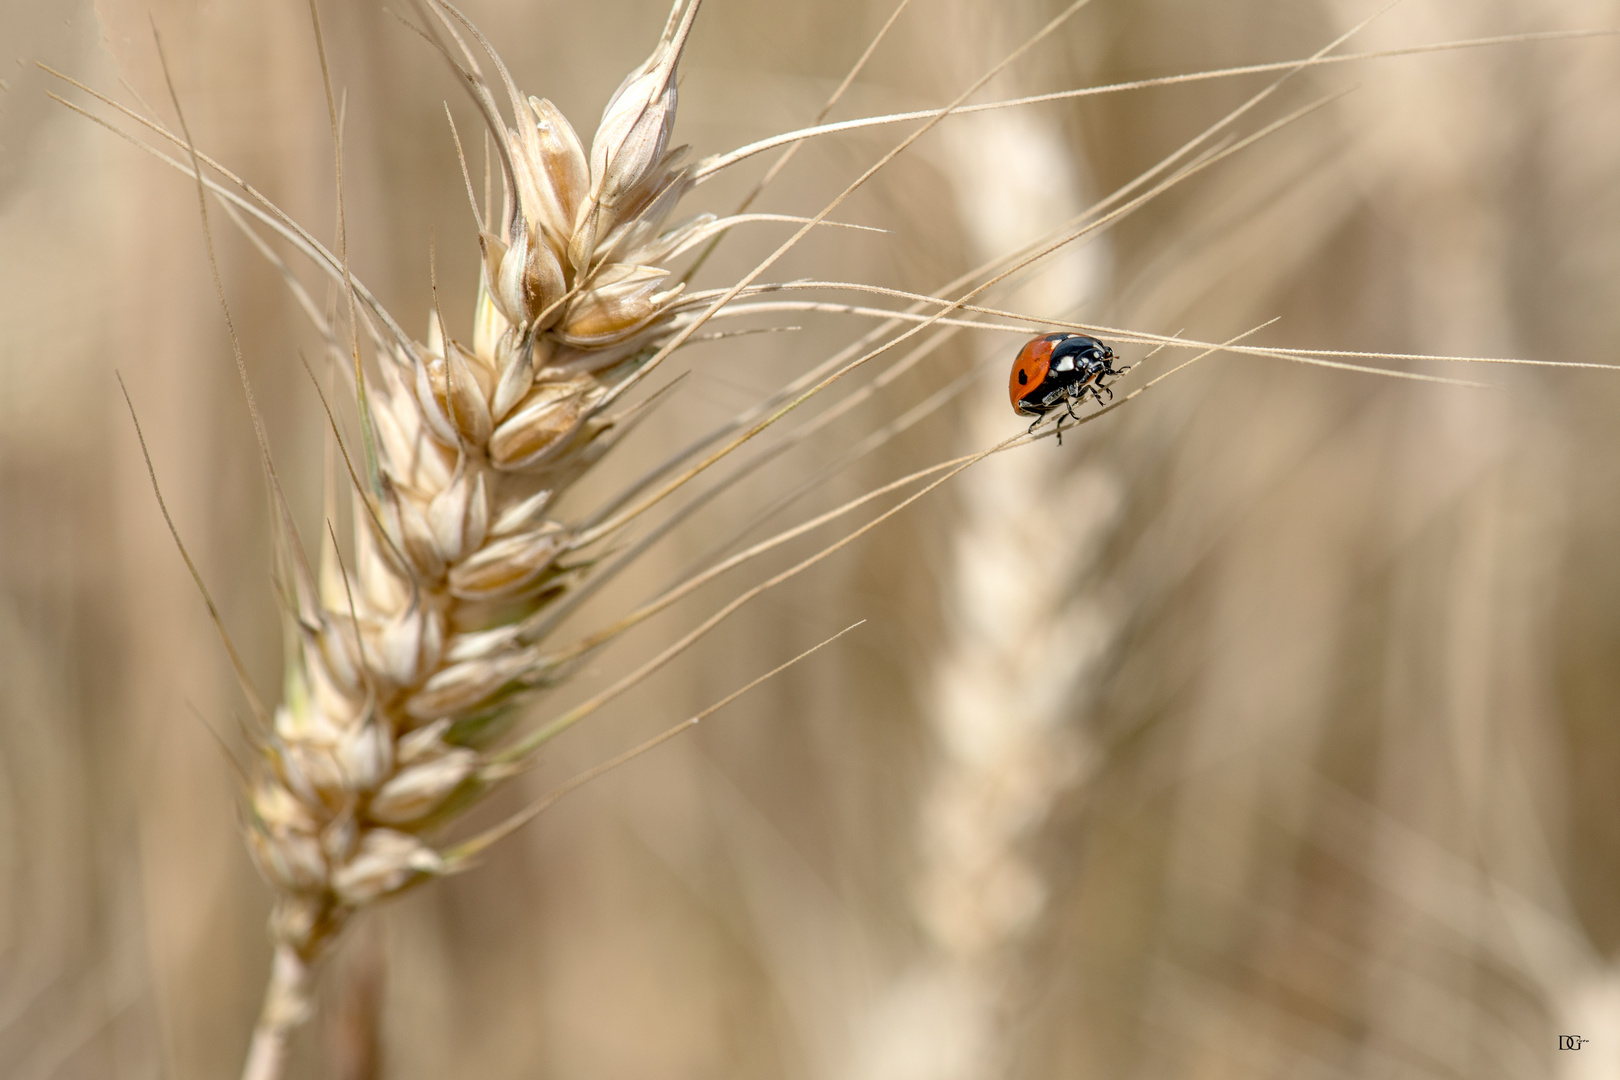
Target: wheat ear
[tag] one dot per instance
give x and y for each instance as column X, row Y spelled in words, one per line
column 404, row 666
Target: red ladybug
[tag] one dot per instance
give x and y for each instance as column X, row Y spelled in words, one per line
column 1059, row 370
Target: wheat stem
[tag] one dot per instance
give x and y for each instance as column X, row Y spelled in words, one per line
column 286, row 1004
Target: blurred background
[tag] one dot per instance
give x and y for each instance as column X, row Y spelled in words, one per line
column 1268, row 727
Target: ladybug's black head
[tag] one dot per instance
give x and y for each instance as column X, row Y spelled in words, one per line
column 1076, row 352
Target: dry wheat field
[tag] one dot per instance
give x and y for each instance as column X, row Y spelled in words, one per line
column 1267, row 724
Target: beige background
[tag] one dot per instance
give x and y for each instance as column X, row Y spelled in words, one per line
column 1315, row 774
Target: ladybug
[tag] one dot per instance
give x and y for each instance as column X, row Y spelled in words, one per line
column 1059, row 370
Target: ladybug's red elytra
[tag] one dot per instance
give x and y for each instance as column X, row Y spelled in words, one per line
column 1057, row 370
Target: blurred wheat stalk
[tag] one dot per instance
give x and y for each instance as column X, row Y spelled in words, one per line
column 456, row 569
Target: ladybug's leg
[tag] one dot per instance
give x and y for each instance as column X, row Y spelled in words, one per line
column 1035, row 425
